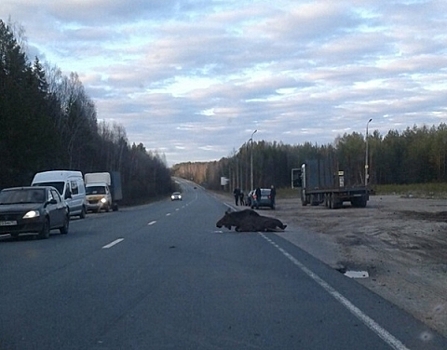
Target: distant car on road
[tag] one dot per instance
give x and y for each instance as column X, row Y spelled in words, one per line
column 36, row 209
column 264, row 201
column 176, row 196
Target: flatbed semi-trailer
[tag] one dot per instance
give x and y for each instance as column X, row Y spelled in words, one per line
column 322, row 182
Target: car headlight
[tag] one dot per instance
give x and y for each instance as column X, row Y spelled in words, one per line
column 179, row 197
column 172, row 197
column 103, row 200
column 31, row 214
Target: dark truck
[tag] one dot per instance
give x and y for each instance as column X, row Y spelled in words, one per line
column 321, row 181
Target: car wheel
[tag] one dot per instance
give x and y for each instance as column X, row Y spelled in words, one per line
column 64, row 229
column 45, row 232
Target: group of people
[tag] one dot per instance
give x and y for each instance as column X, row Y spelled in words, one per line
column 239, row 196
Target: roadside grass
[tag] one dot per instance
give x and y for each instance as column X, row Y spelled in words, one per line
column 426, row 190
column 288, row 193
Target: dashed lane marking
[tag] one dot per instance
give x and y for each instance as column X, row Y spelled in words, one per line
column 111, row 244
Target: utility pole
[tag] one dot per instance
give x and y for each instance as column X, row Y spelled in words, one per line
column 251, row 159
column 367, row 155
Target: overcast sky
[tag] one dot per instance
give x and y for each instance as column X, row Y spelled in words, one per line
column 193, row 79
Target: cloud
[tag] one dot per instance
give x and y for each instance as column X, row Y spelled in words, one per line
column 194, row 79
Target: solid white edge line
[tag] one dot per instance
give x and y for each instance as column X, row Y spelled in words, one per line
column 368, row 321
column 111, row 244
column 151, row 223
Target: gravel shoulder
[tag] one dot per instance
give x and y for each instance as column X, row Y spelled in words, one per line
column 400, row 241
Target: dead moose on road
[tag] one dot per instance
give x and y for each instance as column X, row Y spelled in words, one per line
column 249, row 221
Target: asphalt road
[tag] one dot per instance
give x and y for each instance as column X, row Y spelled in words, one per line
column 162, row 276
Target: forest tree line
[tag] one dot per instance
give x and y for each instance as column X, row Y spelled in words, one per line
column 48, row 122
column 415, row 155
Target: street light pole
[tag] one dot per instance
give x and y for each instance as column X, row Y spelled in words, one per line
column 251, row 159
column 366, row 155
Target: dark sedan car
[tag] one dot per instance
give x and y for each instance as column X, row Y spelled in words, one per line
column 264, row 201
column 36, row 209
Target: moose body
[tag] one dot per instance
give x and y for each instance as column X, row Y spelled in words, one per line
column 235, row 218
column 249, row 221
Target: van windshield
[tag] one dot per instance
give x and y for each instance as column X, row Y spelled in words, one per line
column 59, row 185
column 95, row 190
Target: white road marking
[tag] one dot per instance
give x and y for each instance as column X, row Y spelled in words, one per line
column 111, row 244
column 151, row 223
column 368, row 321
column 168, row 214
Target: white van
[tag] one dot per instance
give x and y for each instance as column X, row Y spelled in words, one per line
column 70, row 185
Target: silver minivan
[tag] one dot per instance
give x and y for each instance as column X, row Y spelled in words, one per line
column 70, row 185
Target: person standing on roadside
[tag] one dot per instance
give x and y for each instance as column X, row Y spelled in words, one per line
column 257, row 197
column 272, row 196
column 237, row 194
column 242, row 198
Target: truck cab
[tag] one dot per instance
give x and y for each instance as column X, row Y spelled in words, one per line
column 103, row 191
column 98, row 197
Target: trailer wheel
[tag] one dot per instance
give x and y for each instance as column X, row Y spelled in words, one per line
column 314, row 200
column 335, row 202
column 326, row 200
column 359, row 202
column 363, row 202
column 303, row 200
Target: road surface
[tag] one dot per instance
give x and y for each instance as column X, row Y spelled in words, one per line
column 162, row 276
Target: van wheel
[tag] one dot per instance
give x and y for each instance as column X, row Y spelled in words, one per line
column 45, row 232
column 82, row 215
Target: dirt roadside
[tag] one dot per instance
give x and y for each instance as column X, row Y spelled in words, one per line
column 401, row 243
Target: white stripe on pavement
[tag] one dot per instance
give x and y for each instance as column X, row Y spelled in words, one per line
column 368, row 321
column 111, row 244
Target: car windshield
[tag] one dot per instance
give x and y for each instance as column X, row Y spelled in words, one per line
column 95, row 190
column 22, row 196
column 59, row 185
